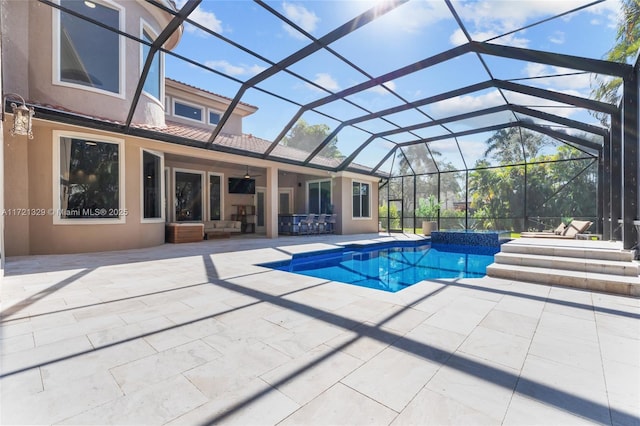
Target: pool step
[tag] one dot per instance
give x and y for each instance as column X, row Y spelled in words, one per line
column 612, row 267
column 617, row 284
column 569, row 251
column 600, row 267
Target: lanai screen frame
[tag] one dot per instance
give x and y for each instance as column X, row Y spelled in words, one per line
column 617, row 156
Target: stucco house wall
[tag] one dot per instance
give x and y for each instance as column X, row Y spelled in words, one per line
column 29, row 180
column 31, row 48
column 349, row 224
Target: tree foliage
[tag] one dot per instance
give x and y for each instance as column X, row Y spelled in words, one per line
column 307, row 137
column 554, row 188
column 514, row 145
column 559, row 183
column 626, row 48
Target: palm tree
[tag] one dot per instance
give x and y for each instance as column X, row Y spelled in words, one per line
column 626, row 48
column 513, row 145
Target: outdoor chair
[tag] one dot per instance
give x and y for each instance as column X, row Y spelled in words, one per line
column 321, row 224
column 331, row 223
column 307, row 224
column 564, row 232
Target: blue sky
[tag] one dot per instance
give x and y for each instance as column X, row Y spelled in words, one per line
column 414, row 31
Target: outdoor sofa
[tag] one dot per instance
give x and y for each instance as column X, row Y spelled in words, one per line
column 222, row 226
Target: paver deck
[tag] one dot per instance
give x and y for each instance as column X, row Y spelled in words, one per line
column 197, row 334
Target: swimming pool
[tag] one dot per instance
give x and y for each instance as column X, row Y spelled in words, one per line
column 391, row 266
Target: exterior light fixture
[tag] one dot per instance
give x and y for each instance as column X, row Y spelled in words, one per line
column 21, row 117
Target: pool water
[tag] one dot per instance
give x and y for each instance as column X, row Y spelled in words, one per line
column 392, row 267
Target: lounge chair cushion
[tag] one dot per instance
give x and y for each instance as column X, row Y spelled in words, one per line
column 560, row 229
column 576, row 227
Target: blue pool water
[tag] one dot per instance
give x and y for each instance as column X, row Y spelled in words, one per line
column 392, row 266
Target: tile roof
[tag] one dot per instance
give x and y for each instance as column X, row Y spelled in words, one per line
column 208, row 91
column 244, row 142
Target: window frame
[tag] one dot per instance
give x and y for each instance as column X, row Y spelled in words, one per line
column 57, row 207
column 214, row 111
column 56, row 50
column 187, row 103
column 203, row 192
column 146, row 27
column 163, row 200
column 222, row 195
column 353, row 217
column 319, row 181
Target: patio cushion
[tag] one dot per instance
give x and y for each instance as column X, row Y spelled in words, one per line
column 576, row 227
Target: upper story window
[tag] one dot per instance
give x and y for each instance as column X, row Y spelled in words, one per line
column 185, row 110
column 152, row 85
column 214, row 118
column 89, row 55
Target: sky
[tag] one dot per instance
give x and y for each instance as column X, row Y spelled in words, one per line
column 414, row 31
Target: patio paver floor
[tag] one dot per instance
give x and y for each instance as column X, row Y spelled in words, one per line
column 197, row 334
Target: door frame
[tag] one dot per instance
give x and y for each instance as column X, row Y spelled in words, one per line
column 260, row 190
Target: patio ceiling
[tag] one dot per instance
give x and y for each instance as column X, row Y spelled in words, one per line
column 394, row 102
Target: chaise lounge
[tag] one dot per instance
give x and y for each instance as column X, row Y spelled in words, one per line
column 563, row 231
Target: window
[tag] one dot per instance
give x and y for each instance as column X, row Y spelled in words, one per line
column 188, row 196
column 89, row 55
column 152, row 83
column 361, row 199
column 151, row 185
column 214, row 118
column 89, row 178
column 215, row 196
column 319, row 196
column 181, row 109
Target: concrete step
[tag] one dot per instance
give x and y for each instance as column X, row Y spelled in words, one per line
column 612, row 267
column 569, row 251
column 625, row 285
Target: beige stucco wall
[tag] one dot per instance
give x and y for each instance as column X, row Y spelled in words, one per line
column 233, row 126
column 190, row 95
column 16, row 191
column 29, row 177
column 29, row 185
column 348, row 224
column 29, row 37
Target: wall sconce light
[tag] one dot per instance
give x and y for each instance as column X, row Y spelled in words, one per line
column 21, row 116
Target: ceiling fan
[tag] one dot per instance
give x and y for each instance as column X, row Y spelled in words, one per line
column 248, row 175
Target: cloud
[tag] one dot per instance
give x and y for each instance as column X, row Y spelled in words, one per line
column 557, row 38
column 301, row 16
column 572, row 81
column 458, row 38
column 326, row 81
column 609, row 10
column 234, row 70
column 485, row 21
column 381, row 90
column 202, row 17
column 467, row 103
column 413, row 17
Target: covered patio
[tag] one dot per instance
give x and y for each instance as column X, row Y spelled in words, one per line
column 203, row 336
